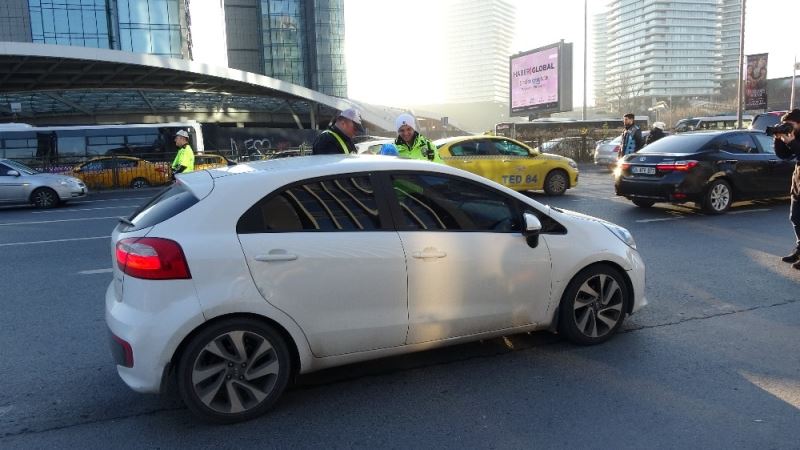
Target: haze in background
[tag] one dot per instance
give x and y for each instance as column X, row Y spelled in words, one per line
column 395, row 49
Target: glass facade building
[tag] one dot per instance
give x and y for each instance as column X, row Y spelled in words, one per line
column 83, row 23
column 656, row 49
column 299, row 41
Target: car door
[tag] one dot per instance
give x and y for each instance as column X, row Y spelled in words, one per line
column 470, row 269
column 475, row 156
column 779, row 171
column 12, row 187
column 520, row 163
column 324, row 252
column 745, row 165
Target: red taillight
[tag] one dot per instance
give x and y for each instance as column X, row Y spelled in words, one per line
column 152, row 259
column 680, row 166
column 617, row 149
column 625, row 166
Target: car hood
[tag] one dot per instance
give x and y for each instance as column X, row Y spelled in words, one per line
column 54, row 177
column 581, row 216
column 552, row 157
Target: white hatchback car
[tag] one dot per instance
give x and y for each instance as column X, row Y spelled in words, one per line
column 236, row 279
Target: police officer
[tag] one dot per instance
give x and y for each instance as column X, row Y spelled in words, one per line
column 787, row 146
column 632, row 140
column 338, row 138
column 411, row 144
column 184, row 160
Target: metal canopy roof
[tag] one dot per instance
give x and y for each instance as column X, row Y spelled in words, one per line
column 51, row 81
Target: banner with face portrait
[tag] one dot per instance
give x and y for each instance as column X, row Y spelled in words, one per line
column 755, row 87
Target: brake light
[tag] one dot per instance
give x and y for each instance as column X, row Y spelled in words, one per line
column 616, row 149
column 680, row 166
column 625, row 166
column 152, row 259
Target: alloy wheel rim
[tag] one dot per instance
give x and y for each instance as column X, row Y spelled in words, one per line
column 598, row 306
column 139, row 184
column 720, row 197
column 44, row 198
column 235, row 372
column 557, row 182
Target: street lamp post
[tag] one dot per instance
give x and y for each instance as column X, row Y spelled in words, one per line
column 741, row 70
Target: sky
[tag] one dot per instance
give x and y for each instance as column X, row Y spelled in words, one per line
column 394, row 48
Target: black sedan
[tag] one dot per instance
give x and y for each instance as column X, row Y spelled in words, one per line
column 712, row 169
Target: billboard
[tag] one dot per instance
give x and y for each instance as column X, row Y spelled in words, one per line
column 541, row 80
column 755, row 88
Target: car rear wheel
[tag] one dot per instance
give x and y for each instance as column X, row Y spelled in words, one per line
column 718, row 197
column 140, row 183
column 594, row 305
column 642, row 203
column 233, row 371
column 556, row 183
column 44, row 198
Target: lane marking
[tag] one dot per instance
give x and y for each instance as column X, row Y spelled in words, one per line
column 92, row 272
column 54, row 241
column 749, row 211
column 83, row 209
column 660, row 220
column 60, row 220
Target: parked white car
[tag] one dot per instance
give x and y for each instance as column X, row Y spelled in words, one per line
column 22, row 184
column 235, row 279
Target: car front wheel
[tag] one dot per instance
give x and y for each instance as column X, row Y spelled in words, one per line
column 44, row 198
column 233, row 371
column 556, row 183
column 718, row 197
column 594, row 305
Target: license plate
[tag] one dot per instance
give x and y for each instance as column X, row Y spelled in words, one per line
column 643, row 170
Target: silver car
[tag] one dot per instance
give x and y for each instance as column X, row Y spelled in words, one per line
column 21, row 184
column 607, row 152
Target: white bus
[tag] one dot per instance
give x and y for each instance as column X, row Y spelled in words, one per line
column 45, row 147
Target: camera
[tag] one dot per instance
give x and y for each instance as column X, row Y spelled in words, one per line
column 782, row 128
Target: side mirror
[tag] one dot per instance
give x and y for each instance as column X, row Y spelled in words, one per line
column 12, row 173
column 532, row 229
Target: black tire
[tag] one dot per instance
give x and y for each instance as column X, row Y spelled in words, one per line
column 207, row 380
column 718, row 197
column 45, row 198
column 139, row 183
column 642, row 203
column 556, row 182
column 587, row 318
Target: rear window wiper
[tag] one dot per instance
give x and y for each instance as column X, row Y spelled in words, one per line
column 126, row 221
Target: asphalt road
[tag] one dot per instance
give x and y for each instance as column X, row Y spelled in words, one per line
column 713, row 361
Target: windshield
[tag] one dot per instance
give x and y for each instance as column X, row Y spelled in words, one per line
column 21, row 168
column 683, row 143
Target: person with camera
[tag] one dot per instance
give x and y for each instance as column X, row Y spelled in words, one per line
column 411, row 144
column 787, row 146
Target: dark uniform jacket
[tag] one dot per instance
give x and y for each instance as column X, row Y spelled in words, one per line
column 327, row 144
column 655, row 134
column 791, row 151
column 638, row 142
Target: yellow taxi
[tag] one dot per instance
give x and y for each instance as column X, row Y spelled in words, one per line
column 203, row 161
column 122, row 171
column 510, row 163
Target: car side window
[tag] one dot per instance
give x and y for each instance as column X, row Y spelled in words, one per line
column 464, row 149
column 740, row 143
column 766, row 143
column 344, row 203
column 435, row 203
column 127, row 163
column 509, row 148
column 4, row 169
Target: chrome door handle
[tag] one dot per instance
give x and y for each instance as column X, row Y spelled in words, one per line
column 429, row 253
column 276, row 255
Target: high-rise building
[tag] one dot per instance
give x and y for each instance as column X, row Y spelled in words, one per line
column 478, row 40
column 299, row 41
column 653, row 50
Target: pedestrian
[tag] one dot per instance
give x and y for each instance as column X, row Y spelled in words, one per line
column 656, row 133
column 184, row 160
column 632, row 140
column 338, row 138
column 787, row 146
column 411, row 144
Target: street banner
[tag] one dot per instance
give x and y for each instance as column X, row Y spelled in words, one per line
column 755, row 91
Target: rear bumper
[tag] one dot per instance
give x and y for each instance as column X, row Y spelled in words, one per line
column 666, row 189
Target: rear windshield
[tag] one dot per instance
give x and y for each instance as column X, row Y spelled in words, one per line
column 679, row 143
column 167, row 203
column 762, row 121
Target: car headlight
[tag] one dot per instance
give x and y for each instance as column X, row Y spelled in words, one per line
column 623, row 234
column 572, row 163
